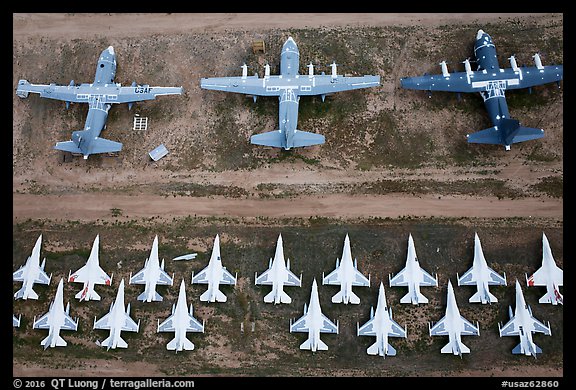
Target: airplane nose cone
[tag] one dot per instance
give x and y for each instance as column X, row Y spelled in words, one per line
column 480, row 34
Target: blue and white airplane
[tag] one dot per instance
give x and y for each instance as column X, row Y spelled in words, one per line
column 100, row 95
column 491, row 82
column 288, row 86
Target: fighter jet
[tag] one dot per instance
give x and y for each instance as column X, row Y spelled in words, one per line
column 382, row 326
column 151, row 275
column 214, row 275
column 56, row 319
column 16, row 321
column 549, row 275
column 413, row 276
column 100, row 95
column 522, row 323
column 117, row 320
column 314, row 322
column 278, row 275
column 491, row 82
column 288, row 86
column 454, row 326
column 90, row 274
column 180, row 322
column 30, row 273
column 346, row 275
column 481, row 276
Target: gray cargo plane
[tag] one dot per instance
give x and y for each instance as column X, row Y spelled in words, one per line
column 100, row 95
column 491, row 82
column 288, row 86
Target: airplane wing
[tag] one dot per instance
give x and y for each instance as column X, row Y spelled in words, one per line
column 227, row 277
column 483, row 80
column 104, row 322
column 326, row 84
column 83, row 276
column 396, row 330
column 49, row 91
column 468, row 328
column 249, row 85
column 367, row 329
column 332, row 278
column 201, row 277
column 495, row 278
column 510, row 328
column 129, row 324
column 293, row 280
column 468, row 278
column 164, row 278
column 139, row 277
column 264, row 278
column 539, row 326
column 69, row 323
column 144, row 92
column 194, row 325
column 42, row 322
column 18, row 275
column 540, row 277
column 400, row 279
column 328, row 326
column 439, row 328
column 300, row 325
column 360, row 280
column 427, row 279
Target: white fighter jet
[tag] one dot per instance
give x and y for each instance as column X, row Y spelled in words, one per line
column 214, row 274
column 16, row 321
column 278, row 275
column 314, row 322
column 30, row 273
column 346, row 275
column 549, row 275
column 481, row 276
column 56, row 319
column 454, row 326
column 117, row 320
column 90, row 274
column 382, row 326
column 413, row 276
column 522, row 323
column 180, row 322
column 151, row 275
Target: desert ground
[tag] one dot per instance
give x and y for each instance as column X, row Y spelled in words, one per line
column 395, row 162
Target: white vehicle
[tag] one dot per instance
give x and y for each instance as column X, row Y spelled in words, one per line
column 16, row 321
column 481, row 276
column 278, row 275
column 522, row 323
column 413, row 276
column 381, row 325
column 314, row 322
column 549, row 275
column 90, row 274
column 213, row 275
column 56, row 319
column 151, row 275
column 30, row 273
column 454, row 326
column 346, row 275
column 117, row 320
column 180, row 322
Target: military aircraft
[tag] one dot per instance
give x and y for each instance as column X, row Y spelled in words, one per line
column 180, row 322
column 549, row 275
column 481, row 276
column 346, row 275
column 314, row 322
column 491, row 82
column 100, row 95
column 278, row 275
column 522, row 323
column 454, row 326
column 56, row 319
column 213, row 275
column 30, row 273
column 382, row 326
column 90, row 274
column 117, row 320
column 288, row 86
column 16, row 321
column 151, row 275
column 413, row 276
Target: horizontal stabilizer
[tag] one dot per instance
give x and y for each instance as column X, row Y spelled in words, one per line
column 553, row 297
column 87, row 296
column 339, row 298
column 478, row 298
column 68, row 146
column 271, row 296
column 218, row 296
column 144, row 297
column 173, row 345
column 47, row 342
column 20, row 294
column 308, row 345
column 108, row 343
column 103, row 145
column 455, row 348
column 518, row 350
column 509, row 133
column 274, row 138
column 304, row 138
column 408, row 298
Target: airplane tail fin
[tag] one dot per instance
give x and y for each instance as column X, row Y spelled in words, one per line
column 478, row 298
column 173, row 345
column 510, row 132
column 305, row 138
column 273, row 138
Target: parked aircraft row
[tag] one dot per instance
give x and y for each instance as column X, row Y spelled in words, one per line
column 346, row 274
column 488, row 79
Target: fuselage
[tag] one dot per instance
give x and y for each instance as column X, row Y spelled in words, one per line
column 524, row 318
column 289, row 99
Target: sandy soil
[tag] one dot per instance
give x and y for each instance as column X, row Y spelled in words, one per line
column 45, row 187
